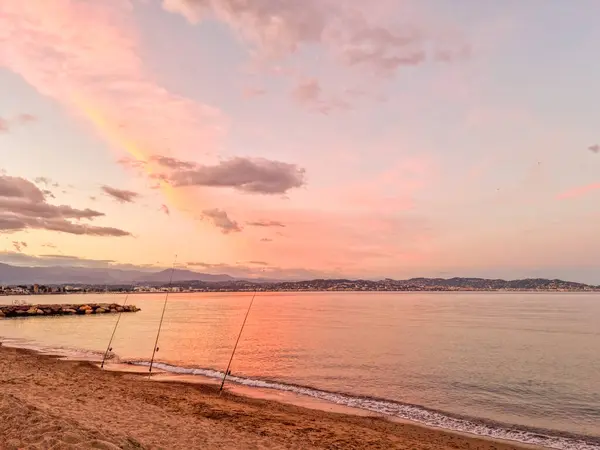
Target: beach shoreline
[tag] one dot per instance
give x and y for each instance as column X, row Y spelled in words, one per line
column 45, row 401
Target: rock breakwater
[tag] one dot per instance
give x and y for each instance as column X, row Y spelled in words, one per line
column 8, row 311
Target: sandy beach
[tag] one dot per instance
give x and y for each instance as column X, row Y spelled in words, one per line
column 48, row 403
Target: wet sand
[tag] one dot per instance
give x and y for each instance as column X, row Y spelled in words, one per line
column 49, row 403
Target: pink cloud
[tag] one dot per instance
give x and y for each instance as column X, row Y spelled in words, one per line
column 26, row 118
column 362, row 41
column 251, row 92
column 579, row 191
column 86, row 56
column 308, row 90
column 21, row 119
column 221, row 220
column 308, row 93
column 348, row 30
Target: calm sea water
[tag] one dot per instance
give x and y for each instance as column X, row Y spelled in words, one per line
column 523, row 366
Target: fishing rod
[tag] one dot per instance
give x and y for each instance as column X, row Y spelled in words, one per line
column 236, row 342
column 108, row 347
column 162, row 316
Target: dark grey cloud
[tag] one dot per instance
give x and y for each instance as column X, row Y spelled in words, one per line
column 19, row 188
column 210, row 266
column 23, row 206
column 23, row 259
column 266, row 223
column 17, row 223
column 120, row 195
column 43, row 210
column 42, row 180
column 172, row 163
column 595, row 148
column 47, row 182
column 75, row 258
column 19, row 245
column 257, row 175
column 258, row 263
column 131, row 163
column 201, row 264
column 221, row 220
column 254, row 175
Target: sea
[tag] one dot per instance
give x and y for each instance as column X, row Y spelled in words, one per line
column 511, row 365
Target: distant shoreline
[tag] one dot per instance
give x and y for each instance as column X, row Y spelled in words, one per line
column 215, row 291
column 187, row 281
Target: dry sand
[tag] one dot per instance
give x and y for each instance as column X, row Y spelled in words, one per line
column 48, row 403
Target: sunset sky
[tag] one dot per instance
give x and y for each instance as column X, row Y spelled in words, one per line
column 298, row 139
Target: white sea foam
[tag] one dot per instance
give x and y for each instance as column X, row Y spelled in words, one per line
column 403, row 411
column 65, row 352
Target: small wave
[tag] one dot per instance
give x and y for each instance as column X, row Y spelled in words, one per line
column 64, row 352
column 404, row 411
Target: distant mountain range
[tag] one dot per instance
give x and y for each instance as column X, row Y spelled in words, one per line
column 85, row 275
column 183, row 275
column 60, row 275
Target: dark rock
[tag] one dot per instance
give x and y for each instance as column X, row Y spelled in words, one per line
column 9, row 311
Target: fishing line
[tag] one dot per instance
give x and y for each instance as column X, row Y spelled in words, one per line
column 162, row 317
column 236, row 342
column 108, row 347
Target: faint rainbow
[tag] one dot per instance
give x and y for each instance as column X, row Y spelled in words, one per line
column 116, row 136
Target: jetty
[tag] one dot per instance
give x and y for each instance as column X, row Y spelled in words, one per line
column 9, row 311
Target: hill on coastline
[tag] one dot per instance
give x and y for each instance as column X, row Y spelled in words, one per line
column 60, row 275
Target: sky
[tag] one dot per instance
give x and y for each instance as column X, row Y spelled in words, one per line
column 286, row 139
